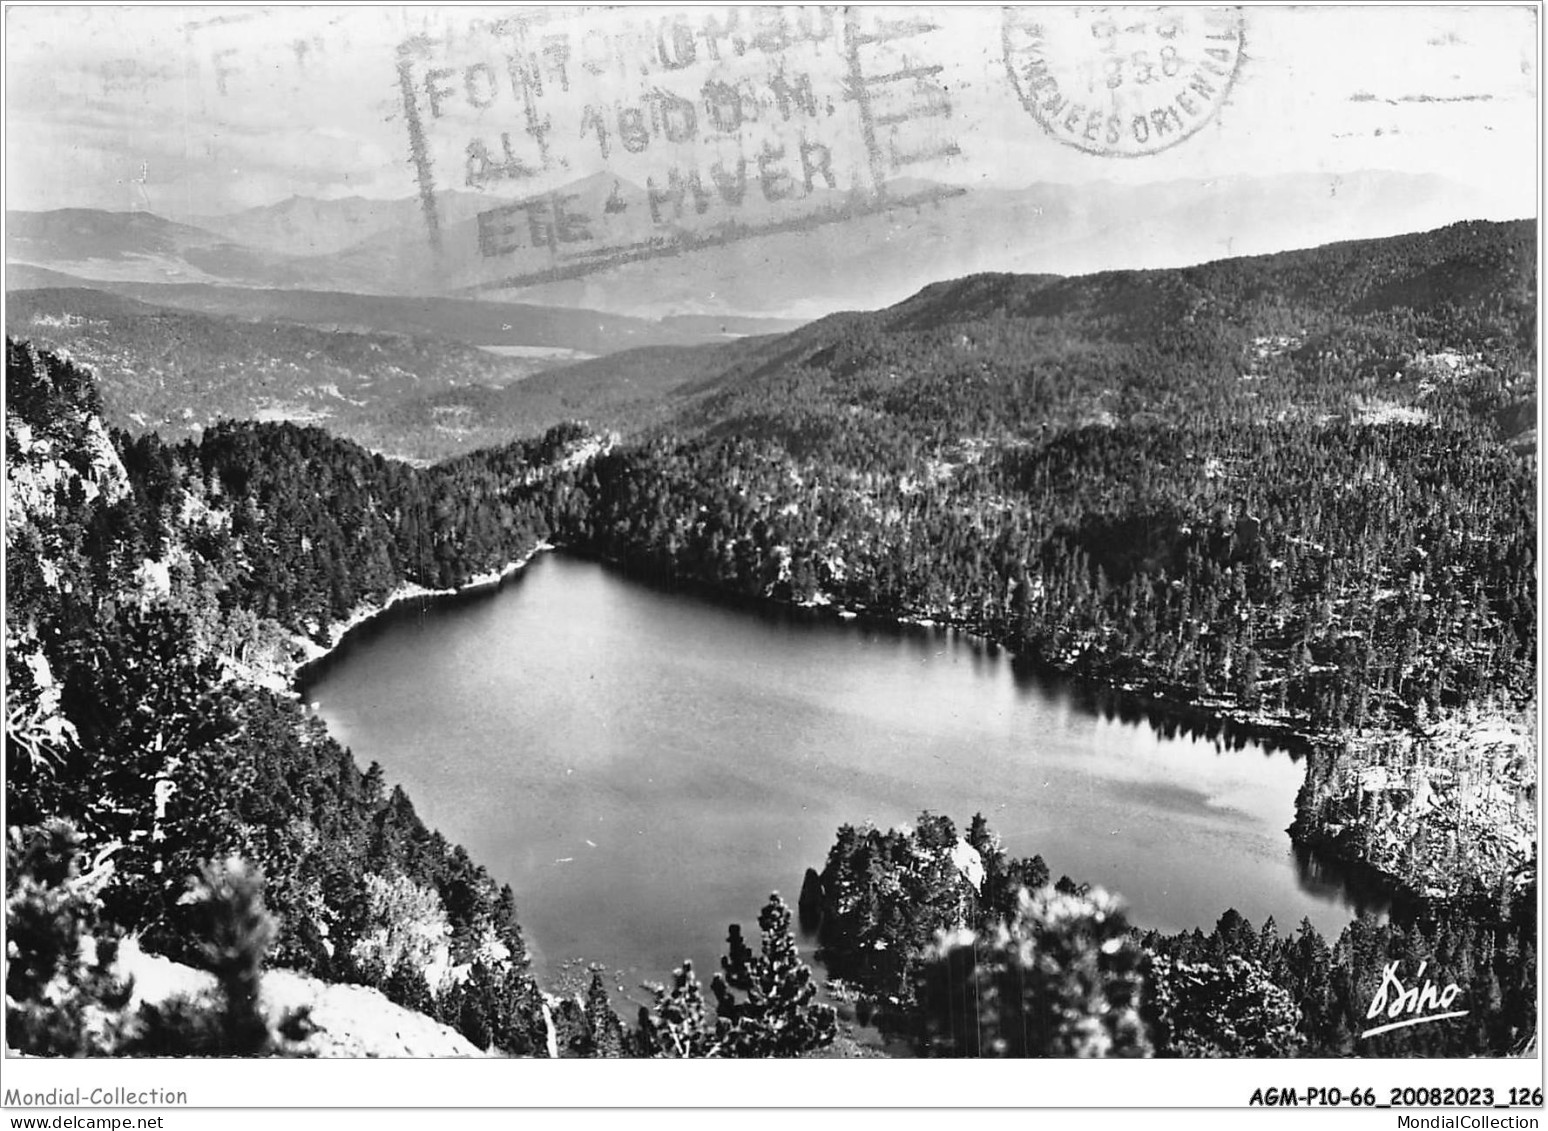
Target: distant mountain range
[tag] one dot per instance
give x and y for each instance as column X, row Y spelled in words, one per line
column 1276, row 333
column 1045, row 229
column 141, row 247
column 1429, row 324
column 364, row 246
column 426, row 378
column 473, row 322
column 307, row 226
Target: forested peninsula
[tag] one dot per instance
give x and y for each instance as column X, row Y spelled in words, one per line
column 1296, row 493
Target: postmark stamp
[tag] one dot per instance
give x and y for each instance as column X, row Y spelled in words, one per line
column 599, row 138
column 1122, row 82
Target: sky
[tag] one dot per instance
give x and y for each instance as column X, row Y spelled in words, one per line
column 190, row 111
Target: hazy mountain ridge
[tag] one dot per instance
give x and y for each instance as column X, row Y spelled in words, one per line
column 465, row 320
column 862, row 262
column 878, row 260
column 308, row 226
column 419, row 391
column 144, row 247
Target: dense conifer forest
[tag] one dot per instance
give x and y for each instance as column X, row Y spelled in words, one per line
column 1295, row 492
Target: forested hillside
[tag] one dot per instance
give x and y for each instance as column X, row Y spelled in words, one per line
column 625, row 392
column 1297, row 493
column 1437, row 324
column 943, row 936
column 138, row 639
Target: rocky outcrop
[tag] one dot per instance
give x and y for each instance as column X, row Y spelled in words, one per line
column 810, row 903
column 969, row 863
column 1428, row 811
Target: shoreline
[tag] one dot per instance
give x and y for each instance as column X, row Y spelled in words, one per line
column 1208, row 719
column 339, row 632
column 809, row 615
column 1213, row 721
column 1103, row 696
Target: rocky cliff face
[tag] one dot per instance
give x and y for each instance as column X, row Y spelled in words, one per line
column 1453, row 802
column 60, row 455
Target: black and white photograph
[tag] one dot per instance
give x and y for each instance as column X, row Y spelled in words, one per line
column 870, row 532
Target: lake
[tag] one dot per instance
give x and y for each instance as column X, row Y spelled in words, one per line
column 644, row 766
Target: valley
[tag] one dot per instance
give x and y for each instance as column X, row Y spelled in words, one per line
column 419, row 379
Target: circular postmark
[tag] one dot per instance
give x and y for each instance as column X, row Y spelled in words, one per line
column 1122, row 82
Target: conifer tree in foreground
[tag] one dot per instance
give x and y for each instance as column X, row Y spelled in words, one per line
column 677, row 1025
column 60, row 1004
column 764, row 1004
column 775, row 1015
column 607, row 1031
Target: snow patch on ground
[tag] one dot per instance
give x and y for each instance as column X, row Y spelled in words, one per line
column 351, row 1021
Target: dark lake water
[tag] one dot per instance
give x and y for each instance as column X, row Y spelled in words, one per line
column 643, row 767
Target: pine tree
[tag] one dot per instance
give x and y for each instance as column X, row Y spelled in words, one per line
column 52, row 995
column 676, row 1025
column 234, row 932
column 607, row 1031
column 58, row 1004
column 775, row 1016
column 406, row 986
